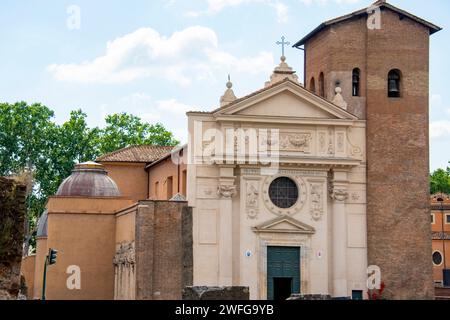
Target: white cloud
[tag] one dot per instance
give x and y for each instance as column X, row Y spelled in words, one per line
column 150, row 110
column 170, row 112
column 440, row 129
column 215, row 6
column 437, row 107
column 192, row 52
column 324, row 2
column 282, row 11
column 174, row 107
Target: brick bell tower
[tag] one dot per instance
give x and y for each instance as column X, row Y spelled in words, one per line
column 379, row 56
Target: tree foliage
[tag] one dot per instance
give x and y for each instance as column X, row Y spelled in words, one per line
column 440, row 181
column 32, row 143
column 125, row 129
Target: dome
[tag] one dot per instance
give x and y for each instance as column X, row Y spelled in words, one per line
column 88, row 179
column 42, row 225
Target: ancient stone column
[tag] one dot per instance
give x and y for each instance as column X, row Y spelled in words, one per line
column 226, row 191
column 339, row 234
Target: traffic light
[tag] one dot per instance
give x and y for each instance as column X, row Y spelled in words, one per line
column 52, row 256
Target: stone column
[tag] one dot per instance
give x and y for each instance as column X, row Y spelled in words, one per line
column 124, row 265
column 226, row 191
column 339, row 195
column 116, row 281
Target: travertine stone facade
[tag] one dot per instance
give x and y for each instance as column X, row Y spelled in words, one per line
column 322, row 149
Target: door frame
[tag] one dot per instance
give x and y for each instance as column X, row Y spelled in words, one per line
column 294, row 284
column 301, row 241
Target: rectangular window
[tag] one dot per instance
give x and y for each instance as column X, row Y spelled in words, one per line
column 184, row 183
column 357, row 295
column 169, row 188
column 433, row 219
column 156, row 191
column 447, row 218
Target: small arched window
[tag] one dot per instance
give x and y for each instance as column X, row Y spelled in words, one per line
column 356, row 82
column 394, row 83
column 321, row 85
column 312, row 85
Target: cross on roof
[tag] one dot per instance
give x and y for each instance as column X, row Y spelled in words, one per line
column 283, row 43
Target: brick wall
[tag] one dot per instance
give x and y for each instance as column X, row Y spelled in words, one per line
column 398, row 212
column 163, row 250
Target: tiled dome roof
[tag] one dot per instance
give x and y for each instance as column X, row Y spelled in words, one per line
column 88, row 179
column 42, row 225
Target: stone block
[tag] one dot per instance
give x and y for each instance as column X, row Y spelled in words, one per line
column 216, row 293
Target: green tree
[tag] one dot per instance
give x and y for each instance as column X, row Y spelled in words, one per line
column 23, row 136
column 24, row 146
column 32, row 145
column 440, row 181
column 72, row 142
column 123, row 130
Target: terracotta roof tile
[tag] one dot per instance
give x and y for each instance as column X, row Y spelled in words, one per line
column 142, row 154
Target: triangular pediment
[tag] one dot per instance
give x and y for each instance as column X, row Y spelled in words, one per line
column 284, row 224
column 285, row 99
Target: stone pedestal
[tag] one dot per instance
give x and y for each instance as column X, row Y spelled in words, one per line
column 216, row 293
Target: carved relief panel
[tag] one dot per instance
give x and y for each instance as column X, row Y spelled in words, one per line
column 341, row 143
column 252, row 196
column 322, row 142
column 296, row 141
column 317, row 199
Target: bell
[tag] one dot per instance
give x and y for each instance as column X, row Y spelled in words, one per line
column 393, row 86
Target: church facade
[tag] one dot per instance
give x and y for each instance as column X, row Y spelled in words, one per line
column 280, row 208
column 294, row 188
column 352, row 164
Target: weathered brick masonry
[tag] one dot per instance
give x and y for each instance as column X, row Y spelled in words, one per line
column 163, row 250
column 12, row 219
column 398, row 213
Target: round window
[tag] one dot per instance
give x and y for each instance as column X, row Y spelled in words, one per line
column 283, row 192
column 437, row 258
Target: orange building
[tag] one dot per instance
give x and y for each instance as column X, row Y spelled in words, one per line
column 102, row 221
column 440, row 226
column 147, row 172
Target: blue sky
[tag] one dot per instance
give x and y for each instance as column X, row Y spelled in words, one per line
column 158, row 59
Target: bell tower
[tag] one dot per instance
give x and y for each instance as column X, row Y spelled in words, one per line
column 379, row 56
